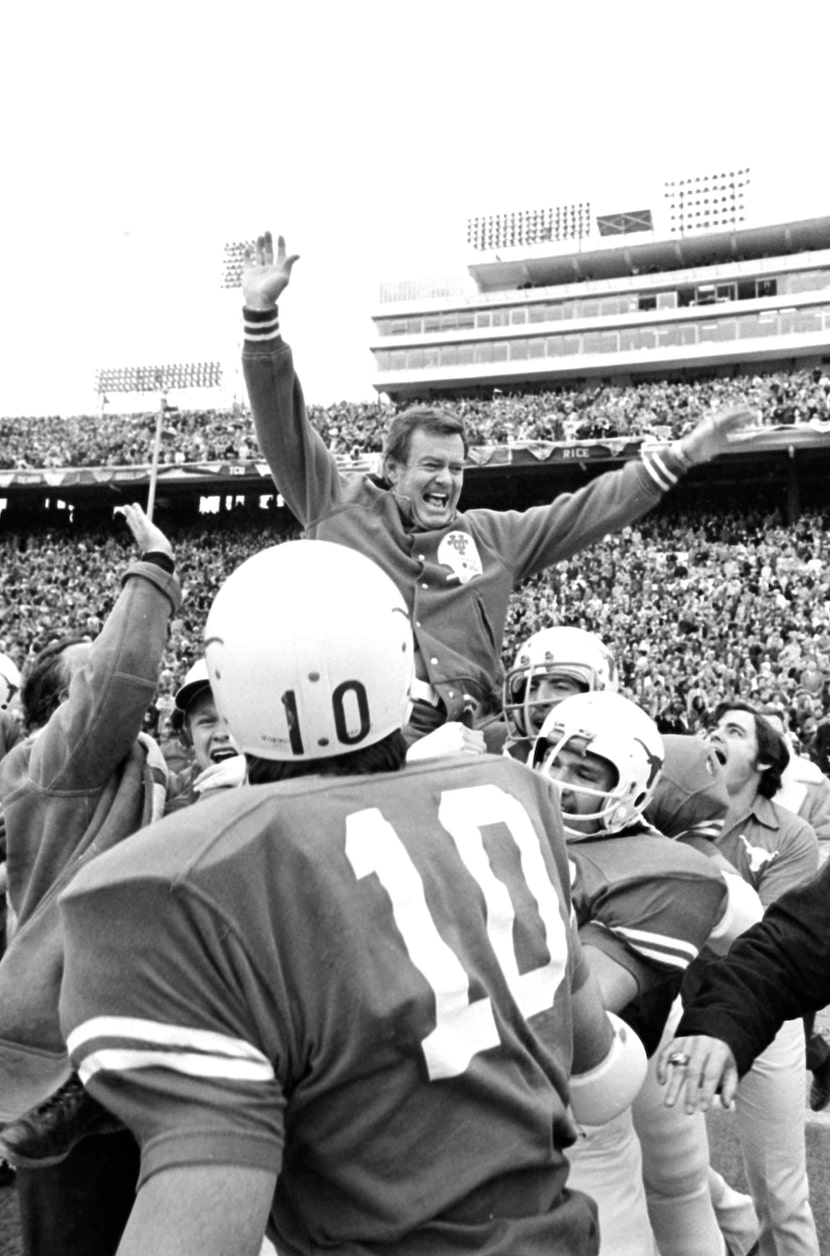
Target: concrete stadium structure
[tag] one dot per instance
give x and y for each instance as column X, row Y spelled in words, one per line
column 619, row 308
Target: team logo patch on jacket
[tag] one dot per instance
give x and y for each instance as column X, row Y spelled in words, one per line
column 458, row 552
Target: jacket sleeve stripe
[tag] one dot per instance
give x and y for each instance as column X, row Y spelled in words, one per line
column 658, row 469
column 260, row 324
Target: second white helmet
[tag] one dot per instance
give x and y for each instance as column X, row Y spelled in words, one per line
column 572, row 653
column 309, row 652
column 613, row 727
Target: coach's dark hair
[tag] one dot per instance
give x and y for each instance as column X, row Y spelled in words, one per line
column 386, row 755
column 44, row 680
column 420, row 419
column 772, row 749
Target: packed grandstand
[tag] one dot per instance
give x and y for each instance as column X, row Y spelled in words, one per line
column 664, row 408
column 697, row 604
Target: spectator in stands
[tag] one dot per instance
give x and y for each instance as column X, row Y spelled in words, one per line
column 660, row 409
column 55, row 581
column 455, row 570
column 84, row 781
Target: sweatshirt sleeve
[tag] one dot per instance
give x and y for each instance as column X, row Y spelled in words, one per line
column 303, row 470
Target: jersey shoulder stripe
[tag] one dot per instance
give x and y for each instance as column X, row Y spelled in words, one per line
column 124, row 1043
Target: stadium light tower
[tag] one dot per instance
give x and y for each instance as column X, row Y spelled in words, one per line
column 707, row 202
column 156, row 379
column 233, row 259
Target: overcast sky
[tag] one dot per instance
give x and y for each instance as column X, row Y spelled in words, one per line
column 137, row 139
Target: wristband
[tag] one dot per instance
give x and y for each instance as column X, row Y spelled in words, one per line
column 160, row 559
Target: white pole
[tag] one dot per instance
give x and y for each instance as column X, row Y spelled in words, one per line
column 154, row 467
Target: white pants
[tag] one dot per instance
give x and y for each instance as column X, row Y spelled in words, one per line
column 770, row 1114
column 675, row 1150
column 606, row 1164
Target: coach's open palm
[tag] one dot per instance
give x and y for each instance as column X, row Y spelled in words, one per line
column 264, row 276
column 148, row 536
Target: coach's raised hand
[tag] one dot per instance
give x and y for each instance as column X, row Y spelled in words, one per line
column 264, row 276
column 714, row 433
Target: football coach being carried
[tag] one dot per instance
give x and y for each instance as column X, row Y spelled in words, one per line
column 455, row 569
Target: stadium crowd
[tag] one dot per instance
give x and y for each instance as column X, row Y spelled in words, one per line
column 696, row 607
column 660, row 408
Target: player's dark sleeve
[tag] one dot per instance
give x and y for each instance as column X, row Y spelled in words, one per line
column 159, row 1022
column 663, row 919
column 779, row 969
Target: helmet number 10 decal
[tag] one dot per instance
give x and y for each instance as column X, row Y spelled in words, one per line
column 463, row 1027
column 346, row 735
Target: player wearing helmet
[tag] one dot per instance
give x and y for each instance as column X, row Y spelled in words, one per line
column 691, row 1208
column 552, row 664
column 604, row 754
column 645, row 907
column 698, row 803
column 341, row 973
column 687, row 801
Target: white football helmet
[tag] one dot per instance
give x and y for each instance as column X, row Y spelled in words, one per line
column 571, row 653
column 609, row 725
column 309, row 652
column 9, row 680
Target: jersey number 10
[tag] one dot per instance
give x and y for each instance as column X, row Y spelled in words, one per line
column 464, row 1028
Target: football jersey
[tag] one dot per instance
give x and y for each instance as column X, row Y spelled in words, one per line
column 361, row 983
column 659, row 899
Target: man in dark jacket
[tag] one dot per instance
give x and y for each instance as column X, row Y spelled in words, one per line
column 778, row 970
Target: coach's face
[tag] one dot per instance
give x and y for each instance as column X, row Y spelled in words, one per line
column 431, row 478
